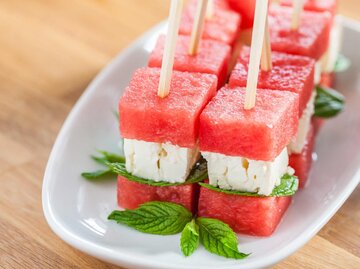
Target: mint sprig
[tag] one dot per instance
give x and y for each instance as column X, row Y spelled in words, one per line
column 97, row 174
column 105, row 158
column 164, row 218
column 328, row 102
column 161, row 218
column 189, row 240
column 198, row 173
column 288, row 187
column 218, row 238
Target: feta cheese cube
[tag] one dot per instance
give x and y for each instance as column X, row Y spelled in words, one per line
column 329, row 59
column 317, row 72
column 299, row 141
column 159, row 161
column 238, row 173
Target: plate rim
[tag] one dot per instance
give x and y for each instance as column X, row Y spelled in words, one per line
column 126, row 259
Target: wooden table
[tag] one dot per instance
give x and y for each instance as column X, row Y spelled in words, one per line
column 49, row 52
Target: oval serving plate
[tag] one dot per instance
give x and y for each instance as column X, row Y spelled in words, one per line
column 77, row 209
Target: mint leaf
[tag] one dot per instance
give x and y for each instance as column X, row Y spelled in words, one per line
column 189, row 240
column 97, row 174
column 288, row 187
column 342, row 64
column 198, row 173
column 218, row 238
column 110, row 157
column 107, row 157
column 328, row 102
column 161, row 218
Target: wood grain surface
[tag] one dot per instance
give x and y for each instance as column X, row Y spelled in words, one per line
column 49, row 52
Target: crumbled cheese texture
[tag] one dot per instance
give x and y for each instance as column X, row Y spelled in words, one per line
column 329, row 59
column 159, row 161
column 242, row 174
column 317, row 72
column 299, row 141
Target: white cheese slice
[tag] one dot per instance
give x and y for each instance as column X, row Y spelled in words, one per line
column 299, row 141
column 329, row 59
column 238, row 173
column 317, row 72
column 159, row 161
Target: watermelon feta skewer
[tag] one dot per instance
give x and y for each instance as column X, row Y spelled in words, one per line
column 223, row 25
column 310, row 39
column 159, row 120
column 244, row 136
column 161, row 134
column 291, row 73
column 330, row 57
column 246, row 151
column 195, row 55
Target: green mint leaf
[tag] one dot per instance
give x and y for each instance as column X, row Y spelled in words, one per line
column 199, row 173
column 112, row 157
column 218, row 238
column 288, row 187
column 328, row 102
column 116, row 114
column 161, row 218
column 342, row 64
column 189, row 240
column 97, row 174
column 107, row 157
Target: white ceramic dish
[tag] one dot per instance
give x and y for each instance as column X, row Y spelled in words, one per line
column 77, row 209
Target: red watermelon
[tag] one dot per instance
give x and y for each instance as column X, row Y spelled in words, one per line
column 290, row 73
column 246, row 9
column 302, row 162
column 327, row 79
column 131, row 194
column 223, row 26
column 311, row 39
column 212, row 57
column 247, row 215
column 315, row 5
column 258, row 134
column 175, row 118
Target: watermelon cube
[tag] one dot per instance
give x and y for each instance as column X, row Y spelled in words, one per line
column 257, row 216
column 258, row 134
column 223, row 26
column 131, row 194
column 315, row 5
column 174, row 119
column 302, row 162
column 311, row 39
column 289, row 73
column 247, row 11
column 212, row 57
column 327, row 79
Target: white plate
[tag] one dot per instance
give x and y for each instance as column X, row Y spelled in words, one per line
column 77, row 209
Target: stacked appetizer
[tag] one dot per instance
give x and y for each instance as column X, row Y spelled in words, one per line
column 161, row 135
column 291, row 73
column 246, row 152
column 329, row 58
column 231, row 148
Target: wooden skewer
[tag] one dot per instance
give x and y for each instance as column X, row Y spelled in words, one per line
column 297, row 9
column 257, row 42
column 198, row 27
column 266, row 62
column 210, row 9
column 170, row 46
